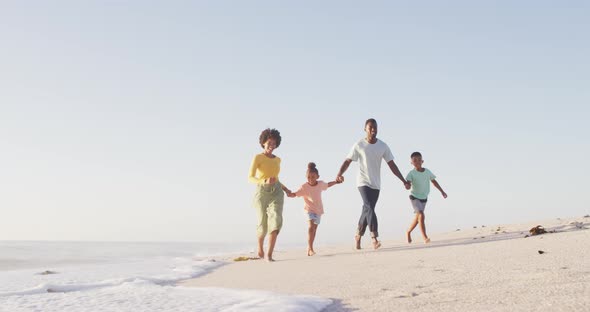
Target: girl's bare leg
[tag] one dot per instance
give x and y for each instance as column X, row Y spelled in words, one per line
column 311, row 237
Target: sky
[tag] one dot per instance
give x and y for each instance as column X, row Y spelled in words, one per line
column 137, row 121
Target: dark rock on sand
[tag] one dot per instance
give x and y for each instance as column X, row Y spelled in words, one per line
column 537, row 230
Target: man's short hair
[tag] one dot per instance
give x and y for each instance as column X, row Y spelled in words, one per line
column 370, row 120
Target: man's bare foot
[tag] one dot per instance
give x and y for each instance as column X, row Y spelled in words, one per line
column 426, row 240
column 261, row 254
column 310, row 252
column 376, row 244
column 409, row 237
column 357, row 240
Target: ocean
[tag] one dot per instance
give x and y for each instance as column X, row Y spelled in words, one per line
column 127, row 276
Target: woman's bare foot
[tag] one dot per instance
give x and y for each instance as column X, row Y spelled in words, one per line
column 426, row 240
column 310, row 252
column 376, row 244
column 357, row 240
column 409, row 237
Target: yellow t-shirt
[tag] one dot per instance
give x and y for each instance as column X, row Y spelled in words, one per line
column 264, row 167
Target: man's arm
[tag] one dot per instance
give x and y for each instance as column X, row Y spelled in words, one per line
column 439, row 188
column 397, row 173
column 345, row 164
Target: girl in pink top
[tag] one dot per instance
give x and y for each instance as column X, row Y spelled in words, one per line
column 312, row 196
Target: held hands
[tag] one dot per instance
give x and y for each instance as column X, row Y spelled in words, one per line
column 339, row 179
column 288, row 192
column 408, row 185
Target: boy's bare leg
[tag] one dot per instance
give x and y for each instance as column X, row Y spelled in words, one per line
column 272, row 239
column 311, row 237
column 423, row 227
column 411, row 228
column 261, row 247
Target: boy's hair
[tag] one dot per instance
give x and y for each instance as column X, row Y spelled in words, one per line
column 370, row 120
column 270, row 134
column 311, row 167
column 416, row 154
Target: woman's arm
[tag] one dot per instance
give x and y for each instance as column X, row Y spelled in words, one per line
column 252, row 176
column 286, row 190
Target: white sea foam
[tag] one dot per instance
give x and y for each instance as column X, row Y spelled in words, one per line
column 123, row 279
column 145, row 296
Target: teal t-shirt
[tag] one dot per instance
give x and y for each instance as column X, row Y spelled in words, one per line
column 420, row 182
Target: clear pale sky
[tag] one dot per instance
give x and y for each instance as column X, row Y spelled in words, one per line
column 138, row 121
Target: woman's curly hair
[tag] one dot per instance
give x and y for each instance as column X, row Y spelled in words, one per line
column 270, row 134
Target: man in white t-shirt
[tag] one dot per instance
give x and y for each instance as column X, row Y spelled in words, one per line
column 369, row 152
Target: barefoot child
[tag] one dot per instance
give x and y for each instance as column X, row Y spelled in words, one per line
column 420, row 179
column 312, row 196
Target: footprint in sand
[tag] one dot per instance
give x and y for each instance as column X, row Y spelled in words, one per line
column 413, row 294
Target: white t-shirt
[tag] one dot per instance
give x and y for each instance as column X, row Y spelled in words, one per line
column 369, row 157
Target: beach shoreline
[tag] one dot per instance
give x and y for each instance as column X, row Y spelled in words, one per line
column 492, row 268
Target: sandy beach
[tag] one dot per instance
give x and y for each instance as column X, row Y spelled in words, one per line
column 483, row 268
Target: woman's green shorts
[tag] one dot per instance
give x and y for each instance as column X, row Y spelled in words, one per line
column 268, row 202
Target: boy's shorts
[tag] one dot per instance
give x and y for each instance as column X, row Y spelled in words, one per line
column 418, row 204
column 316, row 218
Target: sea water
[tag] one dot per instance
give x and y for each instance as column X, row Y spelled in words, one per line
column 114, row 276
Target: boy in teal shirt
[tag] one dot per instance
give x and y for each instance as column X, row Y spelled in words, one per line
column 420, row 179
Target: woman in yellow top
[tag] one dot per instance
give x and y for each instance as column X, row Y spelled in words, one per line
column 269, row 197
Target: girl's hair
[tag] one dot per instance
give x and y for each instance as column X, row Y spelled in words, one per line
column 312, row 168
column 270, row 134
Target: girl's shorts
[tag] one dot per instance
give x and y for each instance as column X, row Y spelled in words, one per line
column 316, row 218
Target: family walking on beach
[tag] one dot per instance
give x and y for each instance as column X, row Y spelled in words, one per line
column 368, row 152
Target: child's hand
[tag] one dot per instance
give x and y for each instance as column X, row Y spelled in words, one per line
column 291, row 195
column 444, row 195
column 408, row 185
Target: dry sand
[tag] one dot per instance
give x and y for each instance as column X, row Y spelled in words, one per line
column 492, row 268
